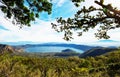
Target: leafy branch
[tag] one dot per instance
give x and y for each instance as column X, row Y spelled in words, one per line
column 106, row 18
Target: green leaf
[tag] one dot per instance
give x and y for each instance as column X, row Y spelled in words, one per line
column 105, row 10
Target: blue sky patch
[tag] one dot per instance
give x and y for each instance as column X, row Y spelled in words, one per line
column 3, row 28
column 67, row 9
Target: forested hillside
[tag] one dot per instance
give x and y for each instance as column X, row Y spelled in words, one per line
column 97, row 51
column 107, row 65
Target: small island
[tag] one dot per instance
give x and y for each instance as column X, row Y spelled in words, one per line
column 67, row 53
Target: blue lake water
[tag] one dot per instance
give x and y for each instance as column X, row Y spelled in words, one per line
column 45, row 49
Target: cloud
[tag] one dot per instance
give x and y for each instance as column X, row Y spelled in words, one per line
column 39, row 32
column 58, row 3
column 42, row 31
column 115, row 3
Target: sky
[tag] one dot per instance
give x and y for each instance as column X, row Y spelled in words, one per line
column 41, row 31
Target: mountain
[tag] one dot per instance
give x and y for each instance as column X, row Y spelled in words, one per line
column 9, row 49
column 76, row 46
column 97, row 51
column 68, row 51
column 107, row 41
column 18, row 43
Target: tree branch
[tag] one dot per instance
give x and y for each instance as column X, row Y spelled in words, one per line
column 107, row 6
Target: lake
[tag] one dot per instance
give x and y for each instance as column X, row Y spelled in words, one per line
column 45, row 49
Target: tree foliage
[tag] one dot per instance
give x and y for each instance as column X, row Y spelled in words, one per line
column 106, row 17
column 22, row 12
column 107, row 65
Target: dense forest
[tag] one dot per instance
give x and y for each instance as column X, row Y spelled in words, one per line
column 107, row 65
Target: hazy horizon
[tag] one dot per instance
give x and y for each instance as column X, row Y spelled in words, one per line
column 103, row 43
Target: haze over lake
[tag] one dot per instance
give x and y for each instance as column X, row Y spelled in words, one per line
column 45, row 49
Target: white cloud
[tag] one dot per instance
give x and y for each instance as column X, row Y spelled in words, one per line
column 58, row 3
column 114, row 34
column 42, row 32
column 115, row 3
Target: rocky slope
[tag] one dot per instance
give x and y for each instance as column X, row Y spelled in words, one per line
column 9, row 49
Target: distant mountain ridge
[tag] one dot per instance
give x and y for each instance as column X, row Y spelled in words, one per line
column 107, row 41
column 76, row 46
column 18, row 43
column 103, row 43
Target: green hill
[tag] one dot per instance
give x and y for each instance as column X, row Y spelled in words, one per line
column 97, row 51
column 107, row 65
